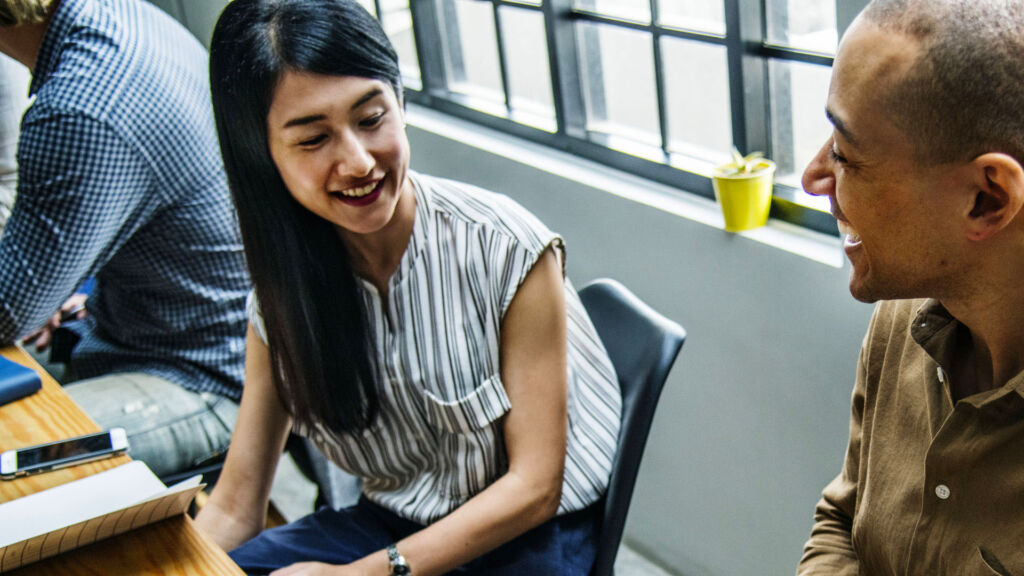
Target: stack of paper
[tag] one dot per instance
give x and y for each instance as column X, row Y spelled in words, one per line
column 78, row 513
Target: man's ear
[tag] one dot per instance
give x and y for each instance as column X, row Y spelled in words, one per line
column 998, row 182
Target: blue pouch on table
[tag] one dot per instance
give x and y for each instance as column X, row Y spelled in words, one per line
column 16, row 381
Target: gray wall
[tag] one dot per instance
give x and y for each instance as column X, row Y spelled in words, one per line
column 753, row 421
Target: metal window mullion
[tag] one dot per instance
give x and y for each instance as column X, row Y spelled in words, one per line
column 564, row 66
column 426, row 29
column 734, row 58
column 795, row 55
column 517, row 4
column 659, row 78
column 748, row 77
column 499, row 36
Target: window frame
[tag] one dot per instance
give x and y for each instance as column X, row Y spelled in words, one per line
column 748, row 55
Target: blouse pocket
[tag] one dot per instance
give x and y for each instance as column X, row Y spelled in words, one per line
column 481, row 407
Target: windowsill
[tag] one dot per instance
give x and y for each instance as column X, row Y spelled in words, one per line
column 816, row 246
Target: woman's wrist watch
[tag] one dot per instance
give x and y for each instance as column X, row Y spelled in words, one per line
column 399, row 567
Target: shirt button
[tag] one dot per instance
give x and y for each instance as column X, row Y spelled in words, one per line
column 941, row 375
column 942, row 491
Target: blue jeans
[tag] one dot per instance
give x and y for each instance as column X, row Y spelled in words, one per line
column 563, row 546
column 170, row 428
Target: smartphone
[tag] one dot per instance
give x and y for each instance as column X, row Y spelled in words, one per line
column 62, row 453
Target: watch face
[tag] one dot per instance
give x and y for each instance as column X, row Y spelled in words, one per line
column 400, row 570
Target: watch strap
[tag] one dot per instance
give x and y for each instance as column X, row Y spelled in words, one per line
column 399, row 567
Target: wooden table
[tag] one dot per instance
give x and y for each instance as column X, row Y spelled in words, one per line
column 173, row 547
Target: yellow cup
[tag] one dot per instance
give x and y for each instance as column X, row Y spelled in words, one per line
column 745, row 198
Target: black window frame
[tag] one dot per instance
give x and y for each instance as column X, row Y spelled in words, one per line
column 748, row 54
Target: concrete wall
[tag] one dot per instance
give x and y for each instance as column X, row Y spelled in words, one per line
column 753, row 420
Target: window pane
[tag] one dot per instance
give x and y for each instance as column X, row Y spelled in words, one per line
column 702, row 15
column 471, row 52
column 526, row 55
column 618, row 83
column 799, row 126
column 697, row 91
column 805, row 24
column 636, row 10
column 396, row 19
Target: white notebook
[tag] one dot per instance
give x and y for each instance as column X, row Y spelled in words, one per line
column 78, row 513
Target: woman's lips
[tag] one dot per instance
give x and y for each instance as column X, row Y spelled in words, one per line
column 366, row 199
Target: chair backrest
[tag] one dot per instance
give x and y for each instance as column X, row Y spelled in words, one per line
column 642, row 345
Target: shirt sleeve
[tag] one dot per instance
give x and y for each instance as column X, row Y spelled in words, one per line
column 79, row 186
column 513, row 254
column 830, row 551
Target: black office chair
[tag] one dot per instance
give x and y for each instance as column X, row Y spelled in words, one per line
column 642, row 345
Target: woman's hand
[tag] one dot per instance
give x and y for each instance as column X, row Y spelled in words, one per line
column 224, row 528
column 317, row 569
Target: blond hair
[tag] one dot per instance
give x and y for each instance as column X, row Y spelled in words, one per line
column 18, row 12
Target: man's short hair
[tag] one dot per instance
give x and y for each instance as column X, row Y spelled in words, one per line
column 964, row 96
column 18, row 12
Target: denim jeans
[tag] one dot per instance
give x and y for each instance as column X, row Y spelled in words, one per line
column 169, row 428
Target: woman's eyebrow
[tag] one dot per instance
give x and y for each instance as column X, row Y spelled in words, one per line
column 303, row 120
column 370, row 95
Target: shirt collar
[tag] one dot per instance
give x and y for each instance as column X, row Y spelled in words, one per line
column 68, row 13
column 935, row 330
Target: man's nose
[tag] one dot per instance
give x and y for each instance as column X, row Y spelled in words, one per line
column 819, row 178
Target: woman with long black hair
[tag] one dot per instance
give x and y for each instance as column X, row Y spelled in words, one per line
column 419, row 331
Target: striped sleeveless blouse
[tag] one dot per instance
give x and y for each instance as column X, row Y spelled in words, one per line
column 438, row 439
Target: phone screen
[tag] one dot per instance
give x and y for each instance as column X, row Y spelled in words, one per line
column 59, row 451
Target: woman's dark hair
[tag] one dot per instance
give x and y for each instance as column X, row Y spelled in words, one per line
column 317, row 333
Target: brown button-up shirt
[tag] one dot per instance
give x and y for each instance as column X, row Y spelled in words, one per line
column 928, row 487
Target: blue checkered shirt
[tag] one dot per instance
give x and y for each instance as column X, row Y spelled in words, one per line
column 120, row 179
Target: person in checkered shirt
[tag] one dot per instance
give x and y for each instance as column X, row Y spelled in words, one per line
column 120, row 179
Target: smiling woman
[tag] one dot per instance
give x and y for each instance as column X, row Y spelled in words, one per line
column 419, row 331
column 343, row 135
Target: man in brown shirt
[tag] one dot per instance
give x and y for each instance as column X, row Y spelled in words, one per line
column 924, row 172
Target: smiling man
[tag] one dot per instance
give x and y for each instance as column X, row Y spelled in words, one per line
column 924, row 172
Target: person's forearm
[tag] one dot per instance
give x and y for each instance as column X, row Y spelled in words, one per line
column 237, row 509
column 830, row 550
column 506, row 509
column 822, row 561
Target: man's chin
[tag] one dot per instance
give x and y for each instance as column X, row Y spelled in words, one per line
column 870, row 290
column 865, row 297
column 862, row 290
